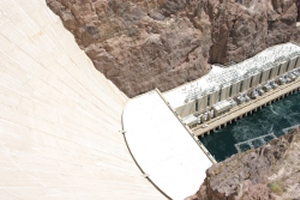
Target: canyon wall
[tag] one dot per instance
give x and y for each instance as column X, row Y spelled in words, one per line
column 298, row 7
column 270, row 172
column 140, row 45
column 243, row 28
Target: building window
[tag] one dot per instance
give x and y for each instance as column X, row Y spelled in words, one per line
column 251, row 80
column 230, row 91
column 241, row 88
column 270, row 74
column 279, row 70
column 260, row 77
column 208, row 99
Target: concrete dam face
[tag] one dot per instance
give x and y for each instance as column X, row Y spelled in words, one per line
column 60, row 119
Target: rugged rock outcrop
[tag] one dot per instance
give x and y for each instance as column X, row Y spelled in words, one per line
column 298, row 7
column 140, row 45
column 242, row 28
column 267, row 173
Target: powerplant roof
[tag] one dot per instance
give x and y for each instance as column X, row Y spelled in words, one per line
column 59, row 117
column 220, row 76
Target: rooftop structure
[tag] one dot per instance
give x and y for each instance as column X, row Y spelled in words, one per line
column 220, row 77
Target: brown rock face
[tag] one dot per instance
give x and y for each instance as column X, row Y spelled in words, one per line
column 242, row 28
column 267, row 173
column 298, row 7
column 140, row 45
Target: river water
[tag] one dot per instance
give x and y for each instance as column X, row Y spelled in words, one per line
column 269, row 122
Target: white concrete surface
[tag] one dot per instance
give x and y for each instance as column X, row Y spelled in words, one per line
column 162, row 146
column 59, row 117
column 219, row 75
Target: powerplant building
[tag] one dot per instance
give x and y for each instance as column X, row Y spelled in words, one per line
column 224, row 88
column 66, row 132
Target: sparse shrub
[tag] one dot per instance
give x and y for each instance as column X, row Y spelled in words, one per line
column 276, row 188
column 132, row 31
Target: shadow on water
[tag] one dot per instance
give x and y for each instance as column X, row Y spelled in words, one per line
column 271, row 119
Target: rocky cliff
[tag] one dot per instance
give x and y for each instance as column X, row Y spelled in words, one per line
column 298, row 7
column 140, row 45
column 242, row 28
column 270, row 172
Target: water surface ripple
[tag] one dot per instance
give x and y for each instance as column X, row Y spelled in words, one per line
column 274, row 118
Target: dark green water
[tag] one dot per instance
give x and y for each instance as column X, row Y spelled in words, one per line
column 271, row 119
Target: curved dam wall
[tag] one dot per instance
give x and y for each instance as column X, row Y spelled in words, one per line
column 162, row 147
column 59, row 117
